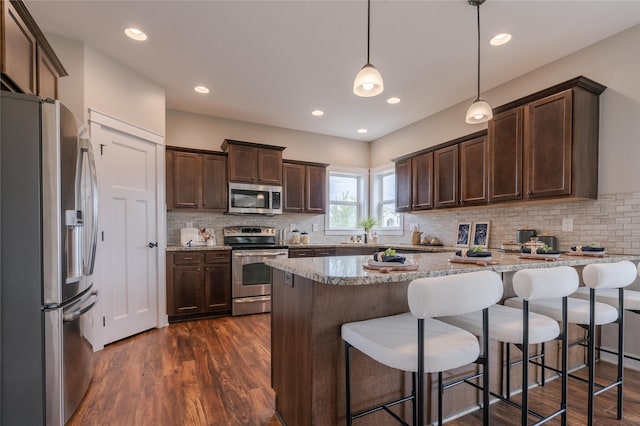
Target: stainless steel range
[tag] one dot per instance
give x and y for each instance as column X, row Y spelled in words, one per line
column 250, row 276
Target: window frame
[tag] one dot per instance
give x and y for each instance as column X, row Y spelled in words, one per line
column 376, row 188
column 362, row 198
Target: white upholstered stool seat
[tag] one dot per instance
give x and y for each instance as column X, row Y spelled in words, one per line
column 506, row 325
column 578, row 310
column 610, row 297
column 392, row 341
column 418, row 343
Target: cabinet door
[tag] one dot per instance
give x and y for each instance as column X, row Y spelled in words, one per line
column 473, row 171
column 422, row 176
column 187, row 180
column 47, row 77
column 293, row 187
column 300, row 252
column 19, row 55
column 505, row 156
column 243, row 164
column 187, row 290
column 269, row 166
column 214, row 182
column 316, row 189
column 445, row 161
column 403, row 185
column 547, row 146
column 217, row 287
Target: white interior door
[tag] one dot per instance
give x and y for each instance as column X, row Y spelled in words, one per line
column 128, row 217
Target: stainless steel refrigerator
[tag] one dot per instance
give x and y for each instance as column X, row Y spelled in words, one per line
column 48, row 235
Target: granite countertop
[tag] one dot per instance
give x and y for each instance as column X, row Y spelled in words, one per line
column 197, row 248
column 379, row 246
column 348, row 270
column 424, row 248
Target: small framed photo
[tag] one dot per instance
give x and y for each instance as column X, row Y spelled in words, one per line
column 480, row 235
column 463, row 235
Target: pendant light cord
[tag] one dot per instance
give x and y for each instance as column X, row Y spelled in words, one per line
column 478, row 8
column 369, row 28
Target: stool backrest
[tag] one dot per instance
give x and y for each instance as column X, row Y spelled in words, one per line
column 545, row 283
column 454, row 294
column 609, row 275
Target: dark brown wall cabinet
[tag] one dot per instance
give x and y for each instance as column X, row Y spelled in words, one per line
column 254, row 163
column 474, row 169
column 29, row 64
column 304, row 187
column 414, row 189
column 542, row 146
column 445, row 171
column 198, row 284
column 196, row 180
column 505, row 156
column 545, row 146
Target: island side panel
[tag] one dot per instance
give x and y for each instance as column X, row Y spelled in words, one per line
column 371, row 383
column 291, row 349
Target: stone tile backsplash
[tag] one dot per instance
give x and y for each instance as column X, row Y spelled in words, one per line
column 613, row 221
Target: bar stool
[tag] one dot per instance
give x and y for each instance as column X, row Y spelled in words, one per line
column 416, row 342
column 523, row 328
column 610, row 296
column 590, row 314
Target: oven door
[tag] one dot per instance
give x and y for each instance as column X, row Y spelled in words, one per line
column 250, row 275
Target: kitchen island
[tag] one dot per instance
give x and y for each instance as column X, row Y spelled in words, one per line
column 313, row 297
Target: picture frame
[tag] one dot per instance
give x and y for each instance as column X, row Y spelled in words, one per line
column 463, row 234
column 480, row 234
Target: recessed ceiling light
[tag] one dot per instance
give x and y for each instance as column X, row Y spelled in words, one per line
column 135, row 34
column 317, row 113
column 362, row 130
column 500, row 39
column 393, row 101
column 201, row 89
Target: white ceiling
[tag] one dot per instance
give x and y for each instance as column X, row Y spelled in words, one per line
column 273, row 62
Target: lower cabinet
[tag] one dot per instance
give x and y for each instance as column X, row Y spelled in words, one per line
column 198, row 284
column 312, row 252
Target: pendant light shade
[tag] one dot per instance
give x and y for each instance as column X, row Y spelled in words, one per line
column 479, row 111
column 368, row 81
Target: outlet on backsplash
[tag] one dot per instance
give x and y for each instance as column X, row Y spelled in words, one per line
column 189, row 225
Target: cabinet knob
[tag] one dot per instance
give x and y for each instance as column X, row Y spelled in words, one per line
column 198, row 269
column 517, row 193
column 529, row 192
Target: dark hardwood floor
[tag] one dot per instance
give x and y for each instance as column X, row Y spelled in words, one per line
column 217, row 372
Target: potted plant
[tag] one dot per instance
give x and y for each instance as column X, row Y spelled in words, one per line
column 368, row 224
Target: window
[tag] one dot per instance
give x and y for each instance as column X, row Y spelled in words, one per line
column 383, row 201
column 347, row 200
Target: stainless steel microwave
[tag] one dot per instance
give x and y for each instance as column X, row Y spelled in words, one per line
column 257, row 199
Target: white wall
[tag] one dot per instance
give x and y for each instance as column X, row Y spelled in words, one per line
column 98, row 82
column 120, row 92
column 71, row 88
column 190, row 130
column 614, row 62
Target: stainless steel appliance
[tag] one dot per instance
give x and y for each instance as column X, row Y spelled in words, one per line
column 254, row 199
column 48, row 217
column 250, row 276
column 524, row 235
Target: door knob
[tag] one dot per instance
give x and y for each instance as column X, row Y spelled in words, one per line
column 152, row 245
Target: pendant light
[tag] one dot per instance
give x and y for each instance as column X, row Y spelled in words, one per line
column 368, row 81
column 479, row 111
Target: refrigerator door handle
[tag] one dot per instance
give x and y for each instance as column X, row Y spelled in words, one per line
column 72, row 316
column 86, row 148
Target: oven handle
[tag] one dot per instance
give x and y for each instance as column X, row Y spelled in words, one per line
column 252, row 299
column 254, row 253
